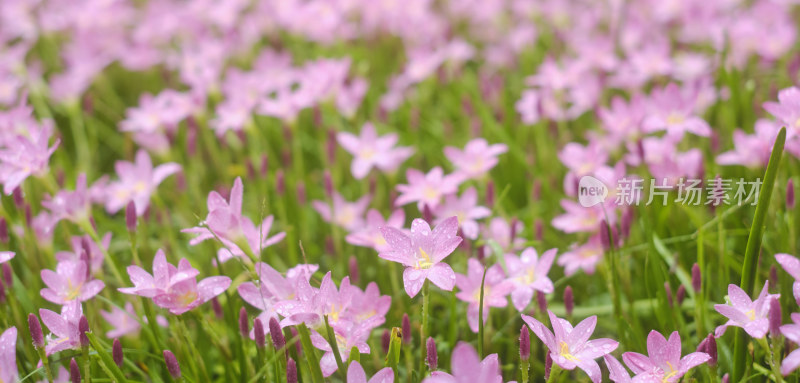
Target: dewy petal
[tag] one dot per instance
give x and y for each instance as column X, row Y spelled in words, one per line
column 521, row 297
column 355, row 373
column 385, row 375
column 738, row 297
column 581, row 333
column 91, row 289
column 413, row 279
column 657, row 348
column 464, row 359
column 790, row 264
column 731, row 313
column 542, row 332
column 616, row 372
column 212, row 286
column 54, row 322
column 638, row 363
column 442, row 275
column 421, row 228
column 558, row 328
column 6, row 256
column 791, row 362
column 591, row 368
column 236, row 196
column 596, row 348
column 692, row 360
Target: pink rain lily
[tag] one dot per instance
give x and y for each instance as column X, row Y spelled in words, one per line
column 743, row 312
column 272, row 287
column 137, row 182
column 427, row 189
column 466, row 209
column 477, row 158
column 674, row 111
column 174, row 288
column 528, row 273
column 356, row 374
column 64, row 327
column 6, row 256
column 791, row 332
column 664, row 363
column 348, row 335
column 495, row 290
column 792, row 266
column 505, row 234
column 8, row 356
column 125, row 322
column 579, row 219
column 26, row 155
column 348, row 215
column 582, row 257
column 226, row 222
column 71, row 281
column 372, row 151
column 74, row 205
column 467, row 367
column 85, row 244
column 370, row 235
column 309, row 305
column 570, row 347
column 422, row 253
column 787, row 110
column 369, row 305
column 751, row 150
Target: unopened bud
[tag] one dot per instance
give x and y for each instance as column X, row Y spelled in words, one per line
column 386, row 340
column 130, row 217
column 775, row 318
column 711, row 349
column 291, row 371
column 541, row 300
column 790, row 194
column 36, row 331
column 406, row 330
column 276, row 334
column 83, row 328
column 302, row 198
column 217, row 308
column 668, row 291
column 264, row 165
column 548, row 365
column 258, row 333
column 244, row 325
column 680, row 295
column 726, row 378
column 353, row 269
column 697, row 278
column 569, row 300
column 773, row 277
column 173, row 367
column 427, row 214
column 19, row 199
column 280, row 182
column 328, row 184
column 74, row 372
column 3, row 230
column 432, row 357
column 116, row 353
column 8, row 275
column 524, row 343
column 539, row 225
column 490, row 194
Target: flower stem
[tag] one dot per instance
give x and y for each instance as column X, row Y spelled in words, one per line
column 423, row 332
column 335, row 348
column 554, row 372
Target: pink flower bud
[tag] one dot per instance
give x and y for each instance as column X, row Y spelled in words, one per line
column 725, row 378
column 244, row 326
column 406, row 330
column 541, row 300
column 217, row 308
column 19, row 199
column 302, row 198
column 548, row 365
column 276, row 334
column 3, row 230
column 83, row 328
column 773, row 277
column 258, row 333
column 490, row 194
column 291, row 371
column 116, row 353
column 36, row 331
column 173, row 366
column 280, row 182
column 432, row 357
column 775, row 317
column 74, row 372
column 539, row 225
column 711, row 350
column 130, row 217
column 264, row 165
column 386, row 340
column 328, row 183
column 790, row 195
column 680, row 295
column 569, row 300
column 353, row 269
column 697, row 279
column 668, row 291
column 8, row 275
column 524, row 343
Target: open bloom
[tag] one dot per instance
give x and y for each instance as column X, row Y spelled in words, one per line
column 174, row 288
column 477, row 158
column 6, row 256
column 226, row 222
column 791, row 332
column 372, row 151
column 349, row 215
column 792, row 266
column 309, row 305
column 787, row 110
column 64, row 327
column 528, row 273
column 73, row 205
column 466, row 209
column 85, row 244
column 751, row 150
column 348, row 336
column 427, row 189
column 582, row 257
column 495, row 290
column 467, row 367
column 124, row 321
column 356, row 374
column 663, row 365
column 272, row 287
column 137, row 182
column 71, row 281
column 674, row 111
column 25, row 155
column 422, row 253
column 570, row 347
column 370, row 235
column 8, row 356
column 743, row 312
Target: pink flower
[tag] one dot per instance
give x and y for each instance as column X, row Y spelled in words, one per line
column 348, row 335
column 746, row 313
column 466, row 209
column 528, row 273
column 348, row 215
column 582, row 257
column 272, row 287
column 674, row 111
column 422, row 253
column 477, row 158
column 8, row 356
column 528, row 107
column 73, row 205
column 85, row 244
column 570, row 347
column 427, row 189
column 507, row 235
column 137, row 181
column 226, row 222
column 372, row 151
column 751, row 150
column 792, row 266
column 6, row 256
column 370, row 235
column 64, row 328
column 791, row 332
column 579, row 219
column 495, row 290
column 124, row 321
column 664, row 363
column 70, row 282
column 309, row 305
column 356, row 374
column 467, row 367
column 787, row 110
column 174, row 288
column 25, row 155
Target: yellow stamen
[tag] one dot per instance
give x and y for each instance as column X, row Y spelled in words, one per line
column 672, row 372
column 564, row 352
column 751, row 314
column 425, row 262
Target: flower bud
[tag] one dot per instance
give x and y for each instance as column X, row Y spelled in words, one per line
column 539, row 227
column 264, row 165
column 291, row 371
column 726, row 378
column 569, row 300
column 680, row 295
column 432, row 357
column 83, row 328
column 548, row 365
column 353, row 263
column 711, row 350
column 244, row 326
column 697, row 279
column 427, row 214
column 116, row 353
column 19, row 199
column 258, row 333
column 130, row 217
column 2, row 293
column 217, row 308
column 773, row 277
column 775, row 318
column 8, row 275
column 406, row 330
column 524, row 343
column 280, row 182
column 276, row 334
column 490, row 194
column 386, row 340
column 541, row 300
column 790, row 195
column 74, row 372
column 668, row 291
column 302, row 198
column 330, row 146
column 328, row 184
column 3, row 230
column 172, row 364
column 36, row 331
column 514, row 229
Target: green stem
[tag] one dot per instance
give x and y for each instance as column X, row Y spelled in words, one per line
column 335, row 348
column 310, row 353
column 423, row 331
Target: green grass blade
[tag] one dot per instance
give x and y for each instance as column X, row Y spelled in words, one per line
column 310, row 353
column 106, row 359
